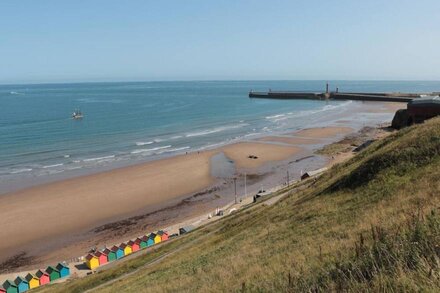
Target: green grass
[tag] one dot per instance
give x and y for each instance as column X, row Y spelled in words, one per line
column 369, row 224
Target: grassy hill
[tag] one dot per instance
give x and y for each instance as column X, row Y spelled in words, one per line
column 369, row 224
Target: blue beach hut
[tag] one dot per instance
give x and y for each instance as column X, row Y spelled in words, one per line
column 150, row 241
column 63, row 269
column 118, row 251
column 22, row 284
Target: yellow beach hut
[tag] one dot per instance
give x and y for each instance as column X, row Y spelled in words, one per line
column 92, row 262
column 157, row 239
column 127, row 249
column 33, row 281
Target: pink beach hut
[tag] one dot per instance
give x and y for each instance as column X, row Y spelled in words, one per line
column 134, row 246
column 102, row 257
column 43, row 277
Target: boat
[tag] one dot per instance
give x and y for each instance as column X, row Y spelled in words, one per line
column 77, row 114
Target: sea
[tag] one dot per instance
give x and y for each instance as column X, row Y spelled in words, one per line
column 130, row 122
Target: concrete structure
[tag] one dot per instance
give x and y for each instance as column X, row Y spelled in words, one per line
column 53, row 273
column 43, row 277
column 185, row 229
column 22, row 284
column 312, row 173
column 92, row 262
column 33, row 281
column 422, row 109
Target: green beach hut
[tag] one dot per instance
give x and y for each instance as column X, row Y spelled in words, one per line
column 10, row 287
column 111, row 255
column 144, row 241
column 53, row 273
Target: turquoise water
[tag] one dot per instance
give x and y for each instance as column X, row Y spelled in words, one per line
column 126, row 123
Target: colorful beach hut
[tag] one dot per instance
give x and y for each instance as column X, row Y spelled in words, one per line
column 111, row 255
column 92, row 262
column 63, row 269
column 2, row 290
column 10, row 287
column 119, row 252
column 134, row 246
column 54, row 274
column 150, row 241
column 163, row 235
column 22, row 284
column 157, row 239
column 43, row 277
column 33, row 281
column 102, row 258
column 138, row 241
column 144, row 242
column 127, row 249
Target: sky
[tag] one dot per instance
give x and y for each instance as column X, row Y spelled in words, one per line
column 76, row 41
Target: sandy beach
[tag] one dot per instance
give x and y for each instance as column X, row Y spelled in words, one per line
column 62, row 220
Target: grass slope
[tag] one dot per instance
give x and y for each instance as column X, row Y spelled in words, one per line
column 369, row 224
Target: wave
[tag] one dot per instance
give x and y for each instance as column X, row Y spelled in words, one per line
column 17, row 93
column 141, row 143
column 52, row 166
column 150, row 150
column 275, row 116
column 20, row 171
column 99, row 158
column 215, row 130
column 174, row 150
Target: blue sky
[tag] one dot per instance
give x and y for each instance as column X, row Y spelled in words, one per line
column 70, row 41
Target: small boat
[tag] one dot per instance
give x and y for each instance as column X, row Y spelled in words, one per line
column 77, row 114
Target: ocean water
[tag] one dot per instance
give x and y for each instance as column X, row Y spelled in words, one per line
column 126, row 123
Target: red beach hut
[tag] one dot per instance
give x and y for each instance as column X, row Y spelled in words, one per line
column 43, row 276
column 134, row 246
column 163, row 235
column 102, row 257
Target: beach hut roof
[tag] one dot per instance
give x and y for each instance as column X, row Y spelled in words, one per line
column 99, row 253
column 131, row 242
column 115, row 248
column 19, row 280
column 90, row 256
column 51, row 269
column 138, row 240
column 152, row 235
column 107, row 250
column 144, row 238
column 60, row 266
column 30, row 276
column 8, row 283
column 40, row 273
column 123, row 245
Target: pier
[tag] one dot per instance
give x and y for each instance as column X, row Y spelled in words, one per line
column 378, row 97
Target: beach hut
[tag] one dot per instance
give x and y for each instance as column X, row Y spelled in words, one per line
column 63, row 269
column 150, row 241
column 127, row 249
column 10, row 287
column 43, row 277
column 33, row 281
column 118, row 252
column 22, row 284
column 134, row 246
column 111, row 255
column 92, row 262
column 144, row 242
column 163, row 235
column 138, row 241
column 54, row 274
column 2, row 290
column 102, row 258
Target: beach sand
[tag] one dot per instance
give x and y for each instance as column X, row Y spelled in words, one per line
column 62, row 220
column 291, row 140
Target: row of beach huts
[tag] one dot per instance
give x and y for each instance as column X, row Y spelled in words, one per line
column 101, row 257
column 40, row 278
